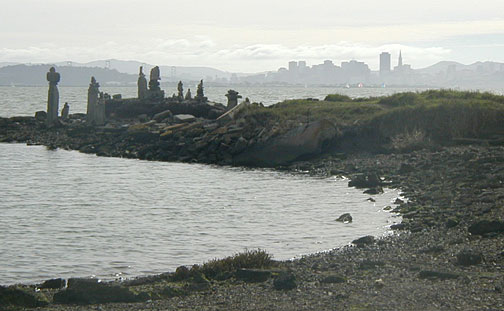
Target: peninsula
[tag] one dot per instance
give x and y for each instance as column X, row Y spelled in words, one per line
column 444, row 149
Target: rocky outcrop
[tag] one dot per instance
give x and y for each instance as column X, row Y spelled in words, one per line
column 298, row 143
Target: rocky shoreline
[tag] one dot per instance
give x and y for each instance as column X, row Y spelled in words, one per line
column 448, row 253
column 443, row 149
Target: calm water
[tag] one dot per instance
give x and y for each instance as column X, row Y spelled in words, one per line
column 67, row 214
column 17, row 101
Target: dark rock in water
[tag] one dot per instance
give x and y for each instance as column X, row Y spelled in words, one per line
column 345, row 218
column 400, row 226
column 484, row 227
column 365, row 181
column 90, row 291
column 53, row 284
column 469, row 257
column 252, row 275
column 285, row 281
column 15, row 297
column 40, row 115
column 374, row 190
column 432, row 275
column 333, row 279
column 365, row 240
column 398, row 201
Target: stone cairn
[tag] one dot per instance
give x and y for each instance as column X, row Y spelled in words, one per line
column 142, row 85
column 200, row 96
column 232, row 97
column 155, row 91
column 180, row 89
column 65, row 112
column 95, row 104
column 188, row 95
column 53, row 97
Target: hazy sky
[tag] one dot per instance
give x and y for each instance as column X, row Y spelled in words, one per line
column 251, row 36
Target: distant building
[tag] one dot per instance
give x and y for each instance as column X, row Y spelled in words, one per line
column 293, row 66
column 384, row 63
column 401, row 68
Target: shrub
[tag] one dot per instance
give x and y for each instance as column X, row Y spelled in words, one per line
column 246, row 260
column 337, row 98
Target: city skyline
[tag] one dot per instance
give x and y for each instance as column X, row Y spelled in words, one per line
column 250, row 36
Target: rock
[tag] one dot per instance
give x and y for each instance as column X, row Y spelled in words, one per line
column 345, row 218
column 183, row 118
column 400, row 226
column 285, row 281
column 53, row 284
column 162, row 115
column 40, row 115
column 450, row 223
column 15, row 297
column 181, row 273
column 379, row 283
column 366, row 240
column 469, row 257
column 301, row 142
column 426, row 274
column 333, row 279
column 90, row 291
column 484, row 227
column 252, row 275
column 240, row 145
column 374, row 190
column 143, row 118
column 370, row 180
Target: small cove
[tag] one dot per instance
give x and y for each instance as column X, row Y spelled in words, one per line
column 67, row 214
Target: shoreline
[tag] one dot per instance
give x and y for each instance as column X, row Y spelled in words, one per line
column 415, row 270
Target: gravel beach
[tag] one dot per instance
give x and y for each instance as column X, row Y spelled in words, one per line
column 447, row 254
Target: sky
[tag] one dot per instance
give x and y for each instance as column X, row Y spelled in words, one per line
column 251, row 36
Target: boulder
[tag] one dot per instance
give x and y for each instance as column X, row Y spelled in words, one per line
column 365, row 240
column 301, row 142
column 40, row 115
column 184, row 118
column 15, row 297
column 469, row 257
column 90, row 291
column 345, row 218
column 162, row 115
column 285, row 281
column 370, row 180
column 252, row 275
column 484, row 227
column 374, row 190
column 53, row 284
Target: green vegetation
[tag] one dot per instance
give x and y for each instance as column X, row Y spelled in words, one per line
column 404, row 118
column 247, row 260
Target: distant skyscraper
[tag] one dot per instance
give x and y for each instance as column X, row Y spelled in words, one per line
column 399, row 64
column 293, row 66
column 384, row 62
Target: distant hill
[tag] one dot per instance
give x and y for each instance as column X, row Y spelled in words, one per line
column 168, row 73
column 4, row 64
column 35, row 75
column 443, row 66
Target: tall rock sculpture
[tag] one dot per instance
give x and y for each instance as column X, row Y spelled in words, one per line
column 200, row 96
column 100, row 110
column 155, row 91
column 188, row 95
column 180, row 89
column 53, row 96
column 92, row 100
column 142, row 84
column 232, row 97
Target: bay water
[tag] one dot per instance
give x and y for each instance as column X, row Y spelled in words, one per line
column 68, row 214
